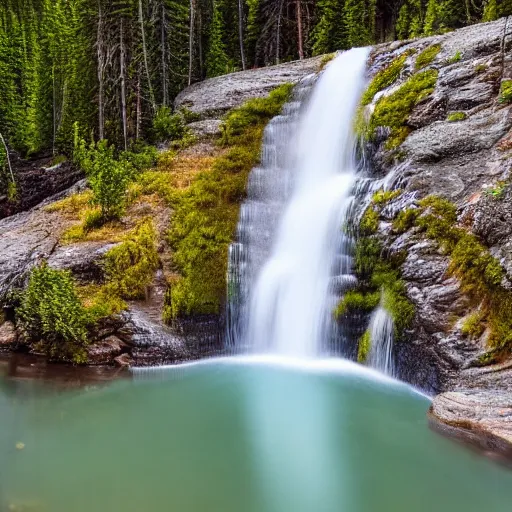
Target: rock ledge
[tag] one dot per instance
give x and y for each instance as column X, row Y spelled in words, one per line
column 480, row 417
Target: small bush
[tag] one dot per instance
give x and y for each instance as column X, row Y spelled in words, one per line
column 107, row 177
column 131, row 265
column 369, row 222
column 51, row 312
column 506, row 91
column 456, row 116
column 427, row 56
column 168, row 126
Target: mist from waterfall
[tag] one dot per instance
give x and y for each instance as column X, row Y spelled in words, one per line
column 290, row 256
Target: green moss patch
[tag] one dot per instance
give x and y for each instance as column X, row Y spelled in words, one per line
column 427, row 56
column 394, row 110
column 384, row 79
column 479, row 272
column 364, row 346
column 506, row 91
column 357, row 301
column 456, row 116
column 206, row 213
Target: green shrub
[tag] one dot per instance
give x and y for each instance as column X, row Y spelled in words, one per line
column 506, row 91
column 107, row 177
column 384, row 79
column 456, row 116
column 51, row 312
column 394, row 110
column 130, row 266
column 168, row 126
column 427, row 56
column 369, row 223
column 481, row 68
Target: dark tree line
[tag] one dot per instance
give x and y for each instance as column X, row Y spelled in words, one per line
column 109, row 67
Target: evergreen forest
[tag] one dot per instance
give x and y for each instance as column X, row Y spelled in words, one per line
column 111, row 69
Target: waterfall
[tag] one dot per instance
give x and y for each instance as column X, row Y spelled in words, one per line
column 381, row 338
column 291, row 258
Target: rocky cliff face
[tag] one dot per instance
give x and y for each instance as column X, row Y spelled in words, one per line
column 458, row 147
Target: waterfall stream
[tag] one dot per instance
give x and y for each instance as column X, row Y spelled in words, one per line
column 292, row 259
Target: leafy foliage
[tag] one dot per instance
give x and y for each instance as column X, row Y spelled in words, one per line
column 456, row 116
column 51, row 312
column 506, row 91
column 168, row 126
column 131, row 265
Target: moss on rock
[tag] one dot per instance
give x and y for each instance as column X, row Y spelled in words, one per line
column 427, row 56
column 206, row 212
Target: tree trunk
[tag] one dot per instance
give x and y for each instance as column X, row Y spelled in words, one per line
column 138, row 115
column 123, row 86
column 164, row 59
column 241, row 31
column 300, row 44
column 278, row 31
column 8, row 158
column 99, row 50
column 191, row 41
column 145, row 55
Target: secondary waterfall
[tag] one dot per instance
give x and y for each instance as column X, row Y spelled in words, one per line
column 291, row 259
column 381, row 336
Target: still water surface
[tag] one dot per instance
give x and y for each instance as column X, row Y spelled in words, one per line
column 237, row 435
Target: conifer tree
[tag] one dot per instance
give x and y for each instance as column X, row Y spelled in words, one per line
column 359, row 18
column 328, row 34
column 216, row 59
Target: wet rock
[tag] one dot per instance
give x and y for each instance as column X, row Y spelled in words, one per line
column 428, row 111
column 123, row 361
column 8, row 335
column 105, row 351
column 215, row 96
column 481, row 417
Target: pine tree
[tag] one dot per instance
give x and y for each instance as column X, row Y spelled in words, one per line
column 410, row 20
column 328, row 34
column 216, row 59
column 359, row 18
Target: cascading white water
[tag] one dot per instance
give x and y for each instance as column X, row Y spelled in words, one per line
column 381, row 337
column 288, row 309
